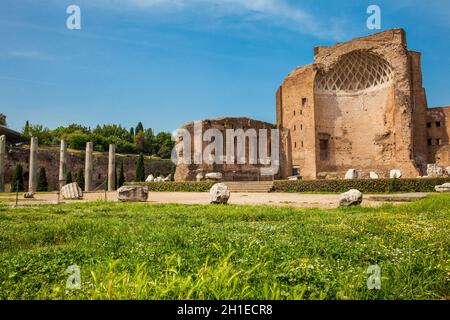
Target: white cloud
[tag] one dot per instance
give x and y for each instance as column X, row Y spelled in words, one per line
column 27, row 54
column 274, row 12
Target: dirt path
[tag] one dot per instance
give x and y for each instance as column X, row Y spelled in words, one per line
column 276, row 199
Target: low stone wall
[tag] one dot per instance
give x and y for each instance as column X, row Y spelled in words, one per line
column 48, row 158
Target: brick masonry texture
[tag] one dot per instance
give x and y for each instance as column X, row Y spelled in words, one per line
column 361, row 105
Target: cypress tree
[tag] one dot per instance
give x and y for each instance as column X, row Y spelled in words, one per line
column 121, row 179
column 140, row 169
column 139, row 128
column 80, row 179
column 42, row 180
column 18, row 179
column 115, row 177
column 26, row 130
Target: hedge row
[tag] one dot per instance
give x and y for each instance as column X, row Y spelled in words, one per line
column 305, row 186
column 368, row 186
column 203, row 186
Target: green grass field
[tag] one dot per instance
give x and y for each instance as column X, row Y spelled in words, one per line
column 142, row 251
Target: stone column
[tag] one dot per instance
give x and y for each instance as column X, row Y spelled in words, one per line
column 88, row 167
column 112, row 168
column 2, row 162
column 62, row 164
column 32, row 180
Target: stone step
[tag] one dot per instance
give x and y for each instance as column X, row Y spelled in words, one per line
column 250, row 187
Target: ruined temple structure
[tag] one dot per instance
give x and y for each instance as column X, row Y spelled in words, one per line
column 361, row 105
column 203, row 161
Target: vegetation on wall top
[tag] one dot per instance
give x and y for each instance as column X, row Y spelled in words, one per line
column 135, row 140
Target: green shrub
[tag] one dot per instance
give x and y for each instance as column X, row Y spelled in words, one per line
column 319, row 186
column 77, row 140
column 369, row 186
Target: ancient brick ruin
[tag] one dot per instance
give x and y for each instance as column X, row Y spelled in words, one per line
column 229, row 171
column 361, row 105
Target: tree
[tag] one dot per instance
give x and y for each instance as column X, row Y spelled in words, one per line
column 149, row 141
column 139, row 141
column 26, row 130
column 121, row 179
column 80, row 178
column 17, row 182
column 77, row 140
column 115, row 177
column 131, row 134
column 42, row 181
column 62, row 131
column 140, row 169
column 40, row 132
column 165, row 145
column 2, row 119
column 69, row 178
column 139, row 128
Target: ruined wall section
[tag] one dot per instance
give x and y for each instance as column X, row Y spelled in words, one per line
column 419, row 106
column 438, row 136
column 389, row 112
column 48, row 158
column 230, row 171
column 298, row 117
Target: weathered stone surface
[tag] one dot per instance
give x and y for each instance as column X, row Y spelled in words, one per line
column 88, row 167
column 351, row 174
column 351, row 198
column 438, row 127
column 448, row 171
column 150, row 178
column 112, row 168
column 214, row 176
column 443, row 188
column 293, row 178
column 219, row 194
column 71, row 191
column 395, row 173
column 434, row 171
column 373, row 175
column 330, row 175
column 132, row 194
column 32, row 179
column 63, row 164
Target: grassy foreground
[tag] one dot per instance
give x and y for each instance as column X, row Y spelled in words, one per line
column 142, row 251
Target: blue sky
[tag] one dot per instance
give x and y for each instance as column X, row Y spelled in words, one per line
column 165, row 62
